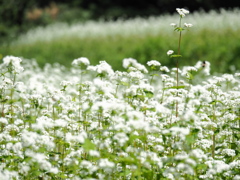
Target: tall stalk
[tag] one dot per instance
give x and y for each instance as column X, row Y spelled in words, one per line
column 179, row 28
column 177, row 63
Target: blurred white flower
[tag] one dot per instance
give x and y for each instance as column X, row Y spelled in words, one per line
column 170, row 52
column 81, row 60
column 173, row 24
column 188, row 25
column 153, row 63
column 14, row 62
column 182, row 12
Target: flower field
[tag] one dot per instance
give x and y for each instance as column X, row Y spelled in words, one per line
column 146, row 122
column 91, row 122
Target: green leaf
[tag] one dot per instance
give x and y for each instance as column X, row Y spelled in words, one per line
column 190, row 76
column 235, row 128
column 179, row 29
column 88, row 145
column 124, row 83
column 175, row 56
column 175, row 87
column 149, row 94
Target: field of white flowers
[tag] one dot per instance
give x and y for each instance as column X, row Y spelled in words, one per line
column 148, row 122
column 95, row 123
column 132, row 27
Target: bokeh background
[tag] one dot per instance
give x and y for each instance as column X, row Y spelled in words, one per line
column 219, row 46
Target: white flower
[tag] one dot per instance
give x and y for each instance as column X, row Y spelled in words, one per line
column 129, row 62
column 229, row 152
column 15, row 62
column 173, row 24
column 182, row 12
column 170, row 52
column 121, row 138
column 104, row 68
column 164, row 68
column 188, row 25
column 106, row 165
column 3, row 120
column 153, row 63
column 65, row 83
column 94, row 153
column 81, row 60
column 133, row 65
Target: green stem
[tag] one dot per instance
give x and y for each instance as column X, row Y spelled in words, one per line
column 177, row 64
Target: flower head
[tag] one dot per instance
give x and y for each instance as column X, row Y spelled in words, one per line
column 182, row 12
column 153, row 63
column 170, row 52
column 14, row 62
column 81, row 60
column 173, row 24
column 188, row 25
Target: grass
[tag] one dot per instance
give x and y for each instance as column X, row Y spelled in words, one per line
column 216, row 47
column 214, row 37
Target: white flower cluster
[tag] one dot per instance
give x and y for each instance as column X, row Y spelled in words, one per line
column 13, row 63
column 182, row 12
column 81, row 60
column 118, row 124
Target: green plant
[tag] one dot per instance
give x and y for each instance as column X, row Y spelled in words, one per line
column 179, row 28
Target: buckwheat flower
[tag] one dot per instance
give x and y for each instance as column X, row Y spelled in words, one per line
column 136, row 75
column 237, row 177
column 15, row 62
column 92, row 68
column 229, row 152
column 170, row 52
column 104, row 68
column 153, row 63
column 60, row 123
column 65, row 83
column 106, row 165
column 89, row 166
column 81, row 61
column 7, row 81
column 181, row 156
column 187, row 69
column 94, row 153
column 204, row 143
column 121, row 138
column 23, row 168
column 237, row 74
column 180, row 131
column 129, row 62
column 141, row 68
column 235, row 164
column 182, row 12
column 173, row 24
column 218, row 166
column 164, row 68
column 188, row 25
column 3, row 120
column 229, row 77
column 43, row 123
column 159, row 148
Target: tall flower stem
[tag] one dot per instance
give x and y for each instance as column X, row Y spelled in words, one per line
column 177, row 63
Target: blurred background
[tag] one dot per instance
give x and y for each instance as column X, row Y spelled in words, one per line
column 18, row 17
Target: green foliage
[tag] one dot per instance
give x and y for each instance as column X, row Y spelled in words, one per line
column 215, row 47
